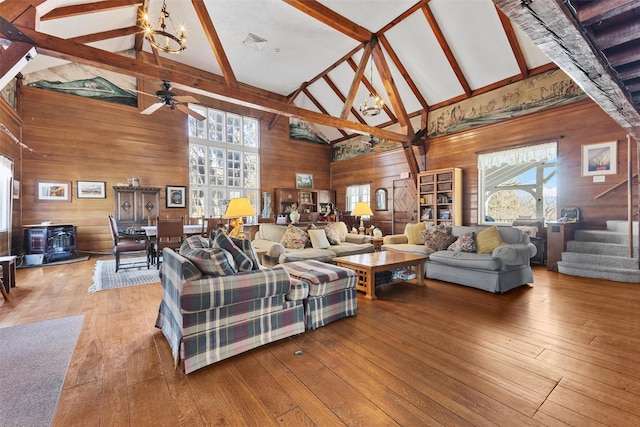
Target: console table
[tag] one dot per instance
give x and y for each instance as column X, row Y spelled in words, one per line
column 558, row 234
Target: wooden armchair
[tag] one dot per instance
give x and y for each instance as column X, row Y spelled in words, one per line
column 169, row 234
column 126, row 247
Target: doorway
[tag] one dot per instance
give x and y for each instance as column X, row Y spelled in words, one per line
column 404, row 204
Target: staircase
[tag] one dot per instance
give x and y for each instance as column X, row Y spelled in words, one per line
column 602, row 254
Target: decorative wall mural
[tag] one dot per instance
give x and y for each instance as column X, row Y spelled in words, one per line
column 87, row 81
column 546, row 90
column 9, row 93
column 304, row 131
column 361, row 145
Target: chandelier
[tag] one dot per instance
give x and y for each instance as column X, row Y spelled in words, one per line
column 373, row 104
column 173, row 43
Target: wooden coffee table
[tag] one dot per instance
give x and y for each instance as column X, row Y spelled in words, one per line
column 367, row 265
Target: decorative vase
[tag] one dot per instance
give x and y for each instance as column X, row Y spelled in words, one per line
column 266, row 201
column 295, row 216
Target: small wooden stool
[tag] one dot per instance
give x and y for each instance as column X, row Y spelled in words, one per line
column 8, row 264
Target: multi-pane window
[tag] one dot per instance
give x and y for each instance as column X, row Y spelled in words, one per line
column 6, row 175
column 357, row 193
column 224, row 161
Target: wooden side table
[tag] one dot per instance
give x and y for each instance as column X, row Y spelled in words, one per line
column 8, row 272
column 377, row 243
column 558, row 234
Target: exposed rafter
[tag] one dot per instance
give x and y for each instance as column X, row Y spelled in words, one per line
column 82, row 9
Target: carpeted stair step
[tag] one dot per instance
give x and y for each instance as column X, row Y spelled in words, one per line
column 597, row 248
column 603, row 236
column 600, row 260
column 621, row 226
column 599, row 272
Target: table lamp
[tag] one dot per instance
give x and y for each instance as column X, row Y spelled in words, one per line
column 361, row 209
column 238, row 208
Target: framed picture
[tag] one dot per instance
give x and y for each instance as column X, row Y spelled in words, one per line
column 600, row 159
column 91, row 190
column 53, row 191
column 304, row 180
column 16, row 189
column 176, row 196
column 381, row 199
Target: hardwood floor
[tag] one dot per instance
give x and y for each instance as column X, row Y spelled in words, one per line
column 561, row 352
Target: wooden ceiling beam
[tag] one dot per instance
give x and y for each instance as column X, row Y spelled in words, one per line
column 594, row 11
column 81, row 9
column 290, row 100
column 332, row 19
column 209, row 87
column 140, row 36
column 215, row 43
column 446, row 49
column 12, row 9
column 370, row 88
column 513, row 42
column 405, row 74
column 105, row 35
column 320, row 107
column 618, row 35
column 339, row 94
column 357, row 78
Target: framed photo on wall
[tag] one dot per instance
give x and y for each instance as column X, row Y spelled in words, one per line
column 53, row 191
column 91, row 190
column 304, row 181
column 176, row 196
column 600, row 159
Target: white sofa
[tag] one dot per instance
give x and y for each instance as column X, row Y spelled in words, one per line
column 269, row 236
column 507, row 267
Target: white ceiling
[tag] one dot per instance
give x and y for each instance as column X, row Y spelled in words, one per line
column 300, row 48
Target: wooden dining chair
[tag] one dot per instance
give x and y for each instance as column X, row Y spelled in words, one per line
column 199, row 220
column 210, row 224
column 126, row 247
column 169, row 234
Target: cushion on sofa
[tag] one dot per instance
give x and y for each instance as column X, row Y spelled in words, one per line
column 272, row 232
column 211, row 261
column 438, row 237
column 222, row 240
column 465, row 243
column 466, row 260
column 342, row 230
column 333, row 234
column 193, row 242
column 318, row 239
column 245, row 246
column 294, row 238
column 488, row 239
column 413, row 233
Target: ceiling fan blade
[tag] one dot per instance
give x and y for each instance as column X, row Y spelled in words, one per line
column 186, row 99
column 152, row 108
column 145, row 93
column 190, row 112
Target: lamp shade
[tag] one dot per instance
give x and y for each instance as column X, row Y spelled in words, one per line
column 239, row 207
column 362, row 208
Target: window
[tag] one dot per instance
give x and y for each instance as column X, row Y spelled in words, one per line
column 223, row 161
column 518, row 183
column 6, row 173
column 357, row 193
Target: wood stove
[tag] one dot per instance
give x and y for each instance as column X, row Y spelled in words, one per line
column 55, row 242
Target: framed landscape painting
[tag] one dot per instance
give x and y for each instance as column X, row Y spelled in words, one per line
column 176, row 196
column 600, row 159
column 53, row 191
column 91, row 190
column 304, row 181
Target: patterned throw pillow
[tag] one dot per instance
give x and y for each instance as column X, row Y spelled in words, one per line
column 333, row 234
column 413, row 233
column 438, row 237
column 248, row 249
column 294, row 238
column 465, row 243
column 488, row 239
column 211, row 261
column 223, row 241
column 193, row 242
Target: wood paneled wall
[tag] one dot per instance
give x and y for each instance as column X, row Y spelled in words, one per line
column 82, row 139
column 574, row 125
column 9, row 148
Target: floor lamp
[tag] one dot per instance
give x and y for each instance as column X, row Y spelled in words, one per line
column 237, row 209
column 361, row 209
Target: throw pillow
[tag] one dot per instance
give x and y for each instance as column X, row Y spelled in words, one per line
column 248, row 249
column 223, row 241
column 488, row 239
column 211, row 261
column 438, row 238
column 333, row 234
column 319, row 239
column 193, row 242
column 294, row 238
column 413, row 233
column 464, row 243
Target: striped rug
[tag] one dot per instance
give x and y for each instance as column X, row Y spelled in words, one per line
column 132, row 272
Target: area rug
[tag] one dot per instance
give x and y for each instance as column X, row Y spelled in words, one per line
column 132, row 272
column 35, row 358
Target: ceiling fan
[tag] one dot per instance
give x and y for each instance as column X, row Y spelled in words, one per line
column 173, row 101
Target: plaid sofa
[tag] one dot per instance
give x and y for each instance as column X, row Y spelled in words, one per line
column 210, row 318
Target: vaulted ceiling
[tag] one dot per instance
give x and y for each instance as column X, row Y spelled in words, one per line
column 317, row 60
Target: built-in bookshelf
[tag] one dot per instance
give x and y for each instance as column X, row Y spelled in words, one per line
column 440, row 196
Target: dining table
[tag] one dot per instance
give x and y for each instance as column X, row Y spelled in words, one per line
column 189, row 229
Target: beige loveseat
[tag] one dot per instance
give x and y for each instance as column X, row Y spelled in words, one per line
column 269, row 238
